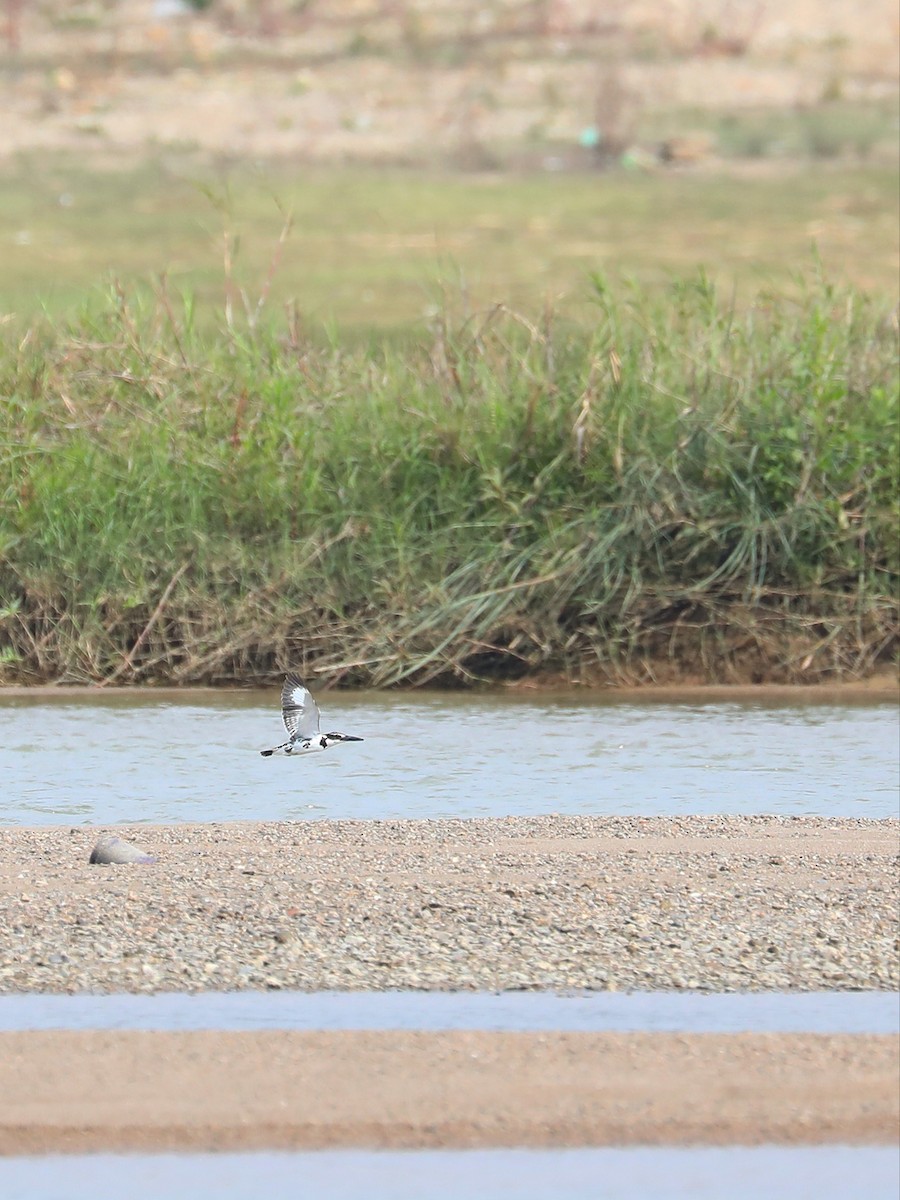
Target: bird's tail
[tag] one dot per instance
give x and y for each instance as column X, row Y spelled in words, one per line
column 274, row 750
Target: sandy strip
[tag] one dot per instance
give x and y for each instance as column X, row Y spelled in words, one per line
column 628, row 903
column 204, row 1091
column 718, row 903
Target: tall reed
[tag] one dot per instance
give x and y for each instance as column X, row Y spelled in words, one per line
column 675, row 490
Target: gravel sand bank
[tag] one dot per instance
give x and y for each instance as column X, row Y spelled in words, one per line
column 203, row 1091
column 715, row 903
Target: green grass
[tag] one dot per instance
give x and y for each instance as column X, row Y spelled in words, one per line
column 672, row 487
column 368, row 251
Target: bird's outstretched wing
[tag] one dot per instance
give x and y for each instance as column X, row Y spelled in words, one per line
column 298, row 709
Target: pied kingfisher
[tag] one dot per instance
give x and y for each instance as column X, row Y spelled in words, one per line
column 300, row 714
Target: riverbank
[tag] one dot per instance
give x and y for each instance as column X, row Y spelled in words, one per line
column 877, row 688
column 507, row 496
column 626, row 903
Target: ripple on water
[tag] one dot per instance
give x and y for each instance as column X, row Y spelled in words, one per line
column 133, row 757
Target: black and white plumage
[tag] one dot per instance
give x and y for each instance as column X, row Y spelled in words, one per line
column 300, row 714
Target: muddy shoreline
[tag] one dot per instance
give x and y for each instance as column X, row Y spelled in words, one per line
column 877, row 688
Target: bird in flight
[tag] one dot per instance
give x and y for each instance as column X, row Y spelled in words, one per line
column 300, row 714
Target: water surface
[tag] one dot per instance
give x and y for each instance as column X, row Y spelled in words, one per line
column 630, row 1173
column 106, row 758
column 638, row 1012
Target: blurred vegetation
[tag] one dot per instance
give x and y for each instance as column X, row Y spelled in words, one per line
column 370, row 250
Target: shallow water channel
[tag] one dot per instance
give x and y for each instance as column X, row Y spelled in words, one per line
column 594, row 1012
column 629, row 1173
column 117, row 757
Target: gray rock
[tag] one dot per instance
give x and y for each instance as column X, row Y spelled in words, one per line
column 112, row 850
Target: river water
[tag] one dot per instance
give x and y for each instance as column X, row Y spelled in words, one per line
column 121, row 757
column 591, row 1012
column 628, row 1173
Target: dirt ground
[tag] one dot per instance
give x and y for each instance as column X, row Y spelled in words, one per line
column 470, row 84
